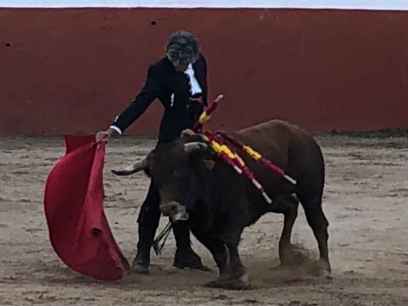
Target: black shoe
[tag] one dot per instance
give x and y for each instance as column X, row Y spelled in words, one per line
column 187, row 258
column 141, row 262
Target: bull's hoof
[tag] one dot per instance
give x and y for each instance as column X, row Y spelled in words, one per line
column 193, row 267
column 241, row 283
column 322, row 269
column 187, row 258
column 293, row 256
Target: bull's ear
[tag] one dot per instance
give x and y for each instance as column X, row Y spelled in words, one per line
column 191, row 136
column 196, row 146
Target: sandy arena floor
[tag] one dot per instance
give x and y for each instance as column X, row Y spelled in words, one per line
column 365, row 200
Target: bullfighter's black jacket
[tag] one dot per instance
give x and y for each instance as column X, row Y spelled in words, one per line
column 173, row 89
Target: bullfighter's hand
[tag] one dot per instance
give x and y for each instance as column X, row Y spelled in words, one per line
column 103, row 136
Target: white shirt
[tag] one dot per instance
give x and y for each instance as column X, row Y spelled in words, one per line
column 195, row 87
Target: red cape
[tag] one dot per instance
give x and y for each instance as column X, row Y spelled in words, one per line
column 73, row 203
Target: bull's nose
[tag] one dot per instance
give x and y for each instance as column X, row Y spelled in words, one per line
column 170, row 209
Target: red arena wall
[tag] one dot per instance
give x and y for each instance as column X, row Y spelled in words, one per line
column 72, row 70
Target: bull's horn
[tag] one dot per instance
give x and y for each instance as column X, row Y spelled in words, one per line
column 195, row 146
column 141, row 165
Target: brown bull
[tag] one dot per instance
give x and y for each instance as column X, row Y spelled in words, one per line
column 221, row 203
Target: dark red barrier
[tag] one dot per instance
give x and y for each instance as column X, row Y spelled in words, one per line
column 71, row 70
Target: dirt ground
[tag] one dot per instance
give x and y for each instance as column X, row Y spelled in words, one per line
column 365, row 201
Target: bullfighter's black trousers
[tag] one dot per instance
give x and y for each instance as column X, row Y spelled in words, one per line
column 149, row 217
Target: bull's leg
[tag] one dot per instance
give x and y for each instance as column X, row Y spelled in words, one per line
column 318, row 222
column 185, row 256
column 232, row 273
column 288, row 206
column 287, row 254
column 238, row 275
column 218, row 250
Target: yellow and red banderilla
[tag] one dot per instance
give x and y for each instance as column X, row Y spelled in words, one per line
column 258, row 157
column 233, row 159
column 226, row 152
column 206, row 114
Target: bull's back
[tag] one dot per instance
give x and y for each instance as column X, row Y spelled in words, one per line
column 274, row 139
column 289, row 147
